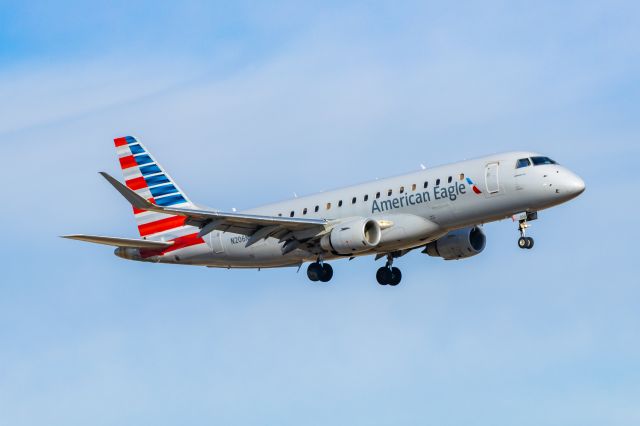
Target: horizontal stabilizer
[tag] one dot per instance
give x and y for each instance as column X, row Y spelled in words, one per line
column 120, row 242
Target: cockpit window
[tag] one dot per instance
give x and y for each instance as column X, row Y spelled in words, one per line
column 523, row 162
column 539, row 161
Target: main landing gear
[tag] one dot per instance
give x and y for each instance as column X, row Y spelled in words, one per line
column 320, row 271
column 525, row 242
column 388, row 275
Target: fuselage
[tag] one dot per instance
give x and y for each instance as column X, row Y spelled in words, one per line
column 416, row 208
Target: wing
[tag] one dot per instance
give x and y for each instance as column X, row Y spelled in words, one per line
column 120, row 242
column 293, row 230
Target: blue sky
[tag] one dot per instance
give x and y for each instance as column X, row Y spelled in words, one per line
column 248, row 103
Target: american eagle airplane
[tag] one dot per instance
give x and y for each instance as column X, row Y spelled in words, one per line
column 439, row 210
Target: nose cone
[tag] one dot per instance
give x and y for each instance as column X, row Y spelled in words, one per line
column 576, row 185
column 571, row 185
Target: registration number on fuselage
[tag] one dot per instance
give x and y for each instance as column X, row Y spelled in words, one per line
column 239, row 240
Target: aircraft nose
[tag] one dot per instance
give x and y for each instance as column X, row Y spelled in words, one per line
column 575, row 185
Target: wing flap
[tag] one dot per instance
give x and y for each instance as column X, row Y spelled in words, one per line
column 120, row 242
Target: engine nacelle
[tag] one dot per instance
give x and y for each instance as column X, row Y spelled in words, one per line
column 352, row 236
column 458, row 244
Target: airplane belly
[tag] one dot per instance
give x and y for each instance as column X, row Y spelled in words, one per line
column 408, row 230
column 264, row 253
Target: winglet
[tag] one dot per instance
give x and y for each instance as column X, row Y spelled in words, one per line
column 135, row 200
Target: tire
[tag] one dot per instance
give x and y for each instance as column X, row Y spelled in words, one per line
column 314, row 272
column 530, row 243
column 523, row 242
column 396, row 277
column 327, row 273
column 383, row 275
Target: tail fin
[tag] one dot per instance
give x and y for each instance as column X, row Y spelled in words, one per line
column 147, row 178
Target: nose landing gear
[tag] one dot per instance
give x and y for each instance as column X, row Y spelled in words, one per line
column 320, row 271
column 388, row 275
column 525, row 242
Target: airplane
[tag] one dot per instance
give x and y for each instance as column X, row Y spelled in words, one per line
column 440, row 210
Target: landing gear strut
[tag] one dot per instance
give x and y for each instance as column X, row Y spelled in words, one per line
column 525, row 242
column 388, row 274
column 320, row 271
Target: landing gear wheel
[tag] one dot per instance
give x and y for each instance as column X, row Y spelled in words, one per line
column 523, row 242
column 327, row 273
column 314, row 271
column 389, row 276
column 396, row 277
column 384, row 275
column 530, row 242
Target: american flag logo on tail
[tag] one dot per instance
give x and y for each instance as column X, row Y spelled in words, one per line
column 147, row 178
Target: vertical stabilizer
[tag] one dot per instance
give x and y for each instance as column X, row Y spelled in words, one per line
column 147, row 178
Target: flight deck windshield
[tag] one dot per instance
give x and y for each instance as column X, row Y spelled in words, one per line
column 539, row 161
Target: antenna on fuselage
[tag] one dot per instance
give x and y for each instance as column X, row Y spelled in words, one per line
column 423, row 167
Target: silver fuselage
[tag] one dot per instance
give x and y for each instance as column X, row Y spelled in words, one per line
column 416, row 214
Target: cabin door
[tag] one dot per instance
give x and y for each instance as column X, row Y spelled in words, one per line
column 216, row 242
column 492, row 178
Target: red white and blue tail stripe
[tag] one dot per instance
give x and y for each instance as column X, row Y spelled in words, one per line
column 147, row 178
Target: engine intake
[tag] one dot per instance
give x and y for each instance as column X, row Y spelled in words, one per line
column 458, row 244
column 352, row 236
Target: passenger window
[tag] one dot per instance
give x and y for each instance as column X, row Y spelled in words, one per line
column 450, row 179
column 377, row 195
column 523, row 162
column 304, row 211
column 340, row 203
column 328, row 206
column 437, row 182
column 461, row 176
column 280, row 214
column 413, row 187
column 402, row 189
column 291, row 214
column 353, row 200
column 426, row 184
column 366, row 197
column 390, row 192
column 317, row 208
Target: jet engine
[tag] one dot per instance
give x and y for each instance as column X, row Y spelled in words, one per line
column 458, row 244
column 352, row 236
